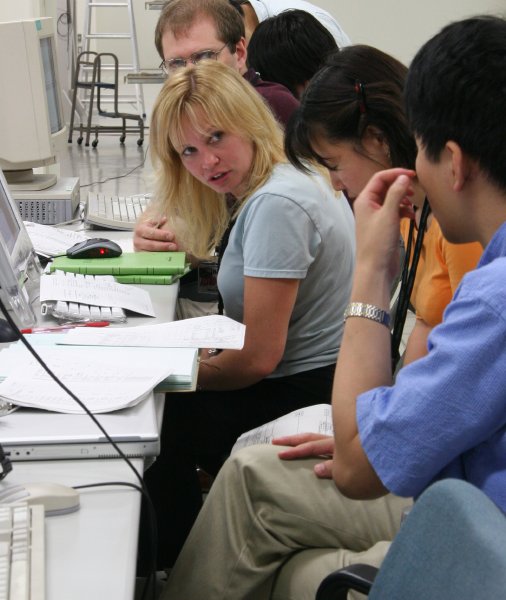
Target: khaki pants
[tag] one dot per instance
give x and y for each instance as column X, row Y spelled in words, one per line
column 271, row 529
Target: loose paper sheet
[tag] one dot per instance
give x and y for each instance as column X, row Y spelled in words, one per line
column 212, row 331
column 311, row 419
column 51, row 241
column 98, row 290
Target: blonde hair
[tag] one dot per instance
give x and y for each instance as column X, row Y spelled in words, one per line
column 224, row 99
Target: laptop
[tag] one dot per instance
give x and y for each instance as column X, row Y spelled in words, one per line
column 30, row 434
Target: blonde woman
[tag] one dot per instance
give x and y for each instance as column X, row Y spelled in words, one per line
column 285, row 273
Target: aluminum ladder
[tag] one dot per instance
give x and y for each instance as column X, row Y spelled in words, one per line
column 89, row 36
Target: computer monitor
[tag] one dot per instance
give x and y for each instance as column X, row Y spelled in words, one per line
column 19, row 266
column 32, row 128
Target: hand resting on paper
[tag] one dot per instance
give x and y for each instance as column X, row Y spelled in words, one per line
column 308, row 445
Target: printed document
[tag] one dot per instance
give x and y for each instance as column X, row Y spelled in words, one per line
column 213, row 331
column 310, row 419
column 51, row 241
column 102, row 379
column 96, row 290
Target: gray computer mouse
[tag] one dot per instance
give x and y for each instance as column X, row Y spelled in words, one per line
column 95, row 248
column 56, row 498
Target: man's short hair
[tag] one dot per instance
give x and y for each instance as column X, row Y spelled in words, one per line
column 456, row 90
column 290, row 48
column 178, row 16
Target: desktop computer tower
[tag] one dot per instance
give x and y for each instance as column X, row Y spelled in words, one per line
column 51, row 206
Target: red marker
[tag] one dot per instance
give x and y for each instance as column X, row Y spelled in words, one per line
column 64, row 327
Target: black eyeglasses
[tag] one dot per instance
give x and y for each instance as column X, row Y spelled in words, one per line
column 173, row 64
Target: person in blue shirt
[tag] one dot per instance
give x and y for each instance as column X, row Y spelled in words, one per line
column 269, row 527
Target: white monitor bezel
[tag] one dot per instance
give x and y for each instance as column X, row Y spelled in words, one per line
column 27, row 140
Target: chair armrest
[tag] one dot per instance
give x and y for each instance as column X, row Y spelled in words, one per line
column 357, row 577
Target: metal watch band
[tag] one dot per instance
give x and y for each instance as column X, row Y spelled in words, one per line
column 367, row 311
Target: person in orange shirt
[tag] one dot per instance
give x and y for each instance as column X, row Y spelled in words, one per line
column 441, row 266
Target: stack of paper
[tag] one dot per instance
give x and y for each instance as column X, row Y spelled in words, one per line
column 112, row 371
column 104, row 379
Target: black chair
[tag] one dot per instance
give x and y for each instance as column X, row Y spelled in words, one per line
column 452, row 546
column 355, row 577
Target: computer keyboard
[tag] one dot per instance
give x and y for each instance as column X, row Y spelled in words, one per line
column 86, row 312
column 115, row 212
column 22, row 552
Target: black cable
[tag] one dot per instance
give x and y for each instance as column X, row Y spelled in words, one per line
column 221, row 251
column 42, row 363
column 407, row 282
column 141, row 164
column 65, row 20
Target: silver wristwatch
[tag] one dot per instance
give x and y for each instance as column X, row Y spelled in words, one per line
column 367, row 311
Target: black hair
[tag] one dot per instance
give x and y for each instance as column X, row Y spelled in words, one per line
column 358, row 87
column 290, row 48
column 456, row 90
column 238, row 5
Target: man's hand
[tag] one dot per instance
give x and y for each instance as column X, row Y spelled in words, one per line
column 150, row 236
column 307, row 445
column 378, row 210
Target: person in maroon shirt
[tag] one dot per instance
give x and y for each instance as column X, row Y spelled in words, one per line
column 192, row 30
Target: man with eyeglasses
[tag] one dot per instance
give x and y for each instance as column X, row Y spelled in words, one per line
column 189, row 31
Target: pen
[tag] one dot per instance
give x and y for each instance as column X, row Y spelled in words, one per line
column 63, row 327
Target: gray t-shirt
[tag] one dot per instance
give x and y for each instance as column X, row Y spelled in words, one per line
column 295, row 227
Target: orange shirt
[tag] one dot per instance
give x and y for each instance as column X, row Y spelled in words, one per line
column 440, row 269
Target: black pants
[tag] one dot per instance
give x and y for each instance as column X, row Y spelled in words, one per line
column 200, row 429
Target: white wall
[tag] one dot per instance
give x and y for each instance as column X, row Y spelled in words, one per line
column 12, row 10
column 400, row 27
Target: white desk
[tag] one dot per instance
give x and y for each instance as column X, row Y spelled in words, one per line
column 91, row 554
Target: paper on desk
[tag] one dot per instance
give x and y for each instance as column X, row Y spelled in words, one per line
column 311, row 419
column 51, row 241
column 183, row 362
column 213, row 331
column 98, row 290
column 104, row 381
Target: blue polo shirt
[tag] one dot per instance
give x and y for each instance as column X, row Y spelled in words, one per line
column 446, row 414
